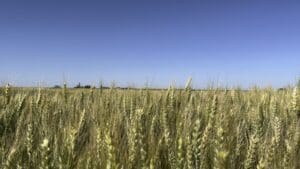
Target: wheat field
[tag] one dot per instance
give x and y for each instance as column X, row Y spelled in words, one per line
column 149, row 129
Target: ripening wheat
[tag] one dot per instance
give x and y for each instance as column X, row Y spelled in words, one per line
column 144, row 128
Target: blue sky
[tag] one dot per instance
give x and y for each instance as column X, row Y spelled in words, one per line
column 242, row 42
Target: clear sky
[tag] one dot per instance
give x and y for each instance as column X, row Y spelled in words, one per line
column 241, row 42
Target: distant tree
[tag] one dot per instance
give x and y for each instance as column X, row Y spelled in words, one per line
column 78, row 85
column 57, row 87
column 282, row 89
column 87, row 86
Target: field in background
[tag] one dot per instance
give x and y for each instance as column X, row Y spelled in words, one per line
column 146, row 129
